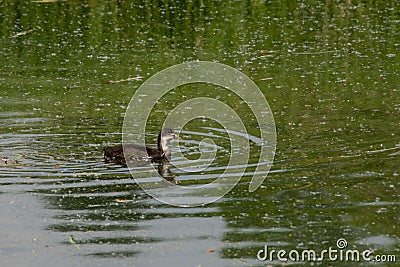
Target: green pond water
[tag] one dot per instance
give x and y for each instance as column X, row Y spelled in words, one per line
column 330, row 71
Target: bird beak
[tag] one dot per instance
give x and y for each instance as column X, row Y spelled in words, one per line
column 176, row 136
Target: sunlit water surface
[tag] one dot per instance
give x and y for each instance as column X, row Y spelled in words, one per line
column 329, row 71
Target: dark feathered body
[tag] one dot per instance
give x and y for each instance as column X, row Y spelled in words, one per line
column 133, row 152
column 137, row 153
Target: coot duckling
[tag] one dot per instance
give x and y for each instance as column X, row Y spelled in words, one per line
column 137, row 153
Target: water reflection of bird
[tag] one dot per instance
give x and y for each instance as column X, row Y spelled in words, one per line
column 136, row 153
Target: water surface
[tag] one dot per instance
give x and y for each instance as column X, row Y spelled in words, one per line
column 329, row 71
